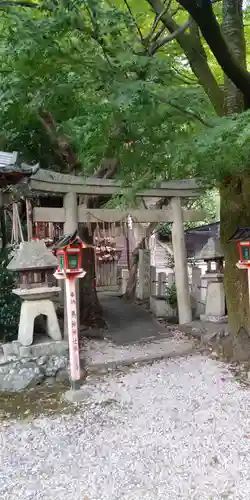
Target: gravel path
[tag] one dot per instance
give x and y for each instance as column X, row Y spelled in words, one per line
column 179, row 429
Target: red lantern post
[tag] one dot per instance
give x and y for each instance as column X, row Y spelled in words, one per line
column 242, row 238
column 69, row 255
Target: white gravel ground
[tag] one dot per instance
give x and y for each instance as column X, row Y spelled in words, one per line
column 179, row 429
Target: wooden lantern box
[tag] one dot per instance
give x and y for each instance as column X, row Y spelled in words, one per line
column 70, row 257
column 36, row 278
column 242, row 238
column 244, row 252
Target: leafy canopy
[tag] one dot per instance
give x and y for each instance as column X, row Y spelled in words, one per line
column 95, row 66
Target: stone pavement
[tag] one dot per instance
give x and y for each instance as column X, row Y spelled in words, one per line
column 102, row 355
column 128, row 322
column 132, row 337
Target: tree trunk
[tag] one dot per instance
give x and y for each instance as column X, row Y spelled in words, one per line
column 132, row 279
column 235, row 200
column 90, row 307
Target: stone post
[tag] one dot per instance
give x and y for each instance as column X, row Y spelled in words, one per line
column 29, row 219
column 70, row 225
column 161, row 284
column 124, row 281
column 203, row 294
column 196, row 290
column 170, row 279
column 180, row 260
column 153, row 279
column 143, row 290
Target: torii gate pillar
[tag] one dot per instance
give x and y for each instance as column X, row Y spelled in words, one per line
column 70, row 225
column 180, row 260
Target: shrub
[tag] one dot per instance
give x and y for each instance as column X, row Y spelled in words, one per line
column 9, row 303
column 171, row 295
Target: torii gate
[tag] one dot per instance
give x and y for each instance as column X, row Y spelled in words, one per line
column 45, row 181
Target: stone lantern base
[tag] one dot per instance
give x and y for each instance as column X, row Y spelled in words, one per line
column 37, row 301
column 215, row 299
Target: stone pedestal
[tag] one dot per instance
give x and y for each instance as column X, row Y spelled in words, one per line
column 215, row 299
column 161, row 308
column 37, row 301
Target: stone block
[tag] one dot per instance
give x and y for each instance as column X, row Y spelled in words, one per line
column 160, row 308
column 48, row 348
column 9, row 350
column 25, row 351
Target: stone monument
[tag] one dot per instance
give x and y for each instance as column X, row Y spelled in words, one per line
column 37, row 289
column 143, row 288
column 215, row 297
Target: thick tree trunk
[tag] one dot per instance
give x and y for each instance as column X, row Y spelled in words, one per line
column 90, row 307
column 235, row 211
column 235, row 192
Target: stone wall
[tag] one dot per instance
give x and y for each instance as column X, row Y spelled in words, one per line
column 25, row 367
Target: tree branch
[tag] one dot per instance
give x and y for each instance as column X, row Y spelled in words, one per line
column 159, row 16
column 197, row 62
column 134, row 20
column 163, row 41
column 32, row 5
column 188, row 112
column 202, row 13
column 62, row 146
column 233, row 30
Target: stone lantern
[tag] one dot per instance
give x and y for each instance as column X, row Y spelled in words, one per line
column 37, row 289
column 212, row 253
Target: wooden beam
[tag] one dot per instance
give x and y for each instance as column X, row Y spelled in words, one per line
column 45, row 214
column 54, row 182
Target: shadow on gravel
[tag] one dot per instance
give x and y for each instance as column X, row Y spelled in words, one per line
column 39, row 401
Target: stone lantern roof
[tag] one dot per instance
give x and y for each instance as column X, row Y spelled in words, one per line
column 32, row 255
column 211, row 250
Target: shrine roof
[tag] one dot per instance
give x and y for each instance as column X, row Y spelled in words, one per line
column 241, row 233
column 211, row 250
column 12, row 169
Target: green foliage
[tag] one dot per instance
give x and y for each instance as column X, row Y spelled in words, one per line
column 87, row 66
column 164, row 231
column 90, row 65
column 9, row 303
column 171, row 295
